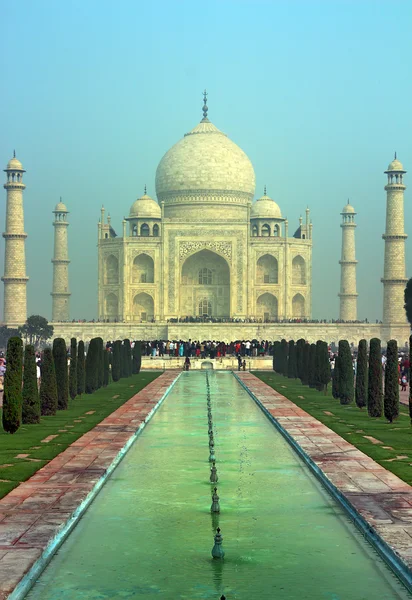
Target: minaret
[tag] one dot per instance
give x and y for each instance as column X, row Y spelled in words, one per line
column 394, row 280
column 348, row 262
column 15, row 280
column 60, row 293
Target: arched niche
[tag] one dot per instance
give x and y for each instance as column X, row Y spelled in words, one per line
column 205, row 275
column 298, row 306
column 143, row 307
column 254, row 231
column 298, row 271
column 267, row 306
column 145, row 230
column 265, row 231
column 143, row 269
column 267, row 269
column 112, row 306
column 111, row 269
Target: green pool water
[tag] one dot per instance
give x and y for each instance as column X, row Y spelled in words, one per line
column 149, row 532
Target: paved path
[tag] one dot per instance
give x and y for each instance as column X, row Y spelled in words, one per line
column 381, row 498
column 32, row 514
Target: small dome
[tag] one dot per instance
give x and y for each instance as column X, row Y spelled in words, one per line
column 265, row 208
column 15, row 164
column 395, row 165
column 60, row 207
column 348, row 208
column 145, row 207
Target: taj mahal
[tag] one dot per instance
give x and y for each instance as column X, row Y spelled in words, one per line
column 205, row 260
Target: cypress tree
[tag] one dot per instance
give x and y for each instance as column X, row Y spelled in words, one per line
column 361, row 386
column 48, row 385
column 81, row 371
column 292, row 368
column 284, row 358
column 276, row 356
column 410, row 378
column 62, row 379
column 31, row 399
column 106, row 364
column 100, row 362
column 305, row 364
column 92, row 367
column 346, row 387
column 336, row 379
column 300, row 344
column 73, row 369
column 312, row 366
column 322, row 366
column 128, row 358
column 137, row 357
column 375, row 396
column 391, row 398
column 116, row 360
column 12, row 394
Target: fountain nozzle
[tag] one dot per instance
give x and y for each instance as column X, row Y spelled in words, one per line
column 213, row 474
column 215, row 508
column 217, row 550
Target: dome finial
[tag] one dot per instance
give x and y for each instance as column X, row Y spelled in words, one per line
column 14, row 154
column 264, row 190
column 395, row 154
column 348, row 200
column 205, row 108
column 145, row 190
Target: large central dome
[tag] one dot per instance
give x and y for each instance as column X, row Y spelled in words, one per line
column 205, row 167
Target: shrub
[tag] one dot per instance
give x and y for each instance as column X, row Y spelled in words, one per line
column 81, row 370
column 12, row 394
column 31, row 399
column 137, row 357
column 375, row 396
column 92, row 367
column 128, row 358
column 116, row 360
column 346, row 388
column 361, row 386
column 391, row 398
column 322, row 366
column 312, row 366
column 73, row 369
column 60, row 365
column 48, row 385
column 292, row 368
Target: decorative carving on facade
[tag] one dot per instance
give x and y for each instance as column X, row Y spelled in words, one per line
column 188, row 248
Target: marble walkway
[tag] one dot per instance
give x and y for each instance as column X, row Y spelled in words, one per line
column 32, row 514
column 380, row 497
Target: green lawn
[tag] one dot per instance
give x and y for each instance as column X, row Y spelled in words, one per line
column 352, row 424
column 28, row 439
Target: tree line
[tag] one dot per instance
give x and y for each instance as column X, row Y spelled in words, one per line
column 311, row 364
column 24, row 402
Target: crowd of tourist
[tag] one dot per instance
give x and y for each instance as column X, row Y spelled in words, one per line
column 207, row 349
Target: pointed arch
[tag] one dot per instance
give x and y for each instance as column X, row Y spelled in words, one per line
column 143, row 307
column 111, row 269
column 267, row 306
column 298, row 270
column 143, row 269
column 298, row 306
column 267, row 270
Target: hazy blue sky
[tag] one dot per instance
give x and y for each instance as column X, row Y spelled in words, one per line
column 318, row 94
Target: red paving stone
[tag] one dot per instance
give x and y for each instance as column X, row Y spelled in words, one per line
column 379, row 496
column 33, row 513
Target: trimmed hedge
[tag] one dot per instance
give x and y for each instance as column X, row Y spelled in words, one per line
column 391, row 397
column 73, row 369
column 62, row 377
column 81, row 368
column 375, row 394
column 292, row 368
column 346, row 377
column 361, row 386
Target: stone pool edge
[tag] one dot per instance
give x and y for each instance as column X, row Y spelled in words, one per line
column 386, row 548
column 30, row 574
